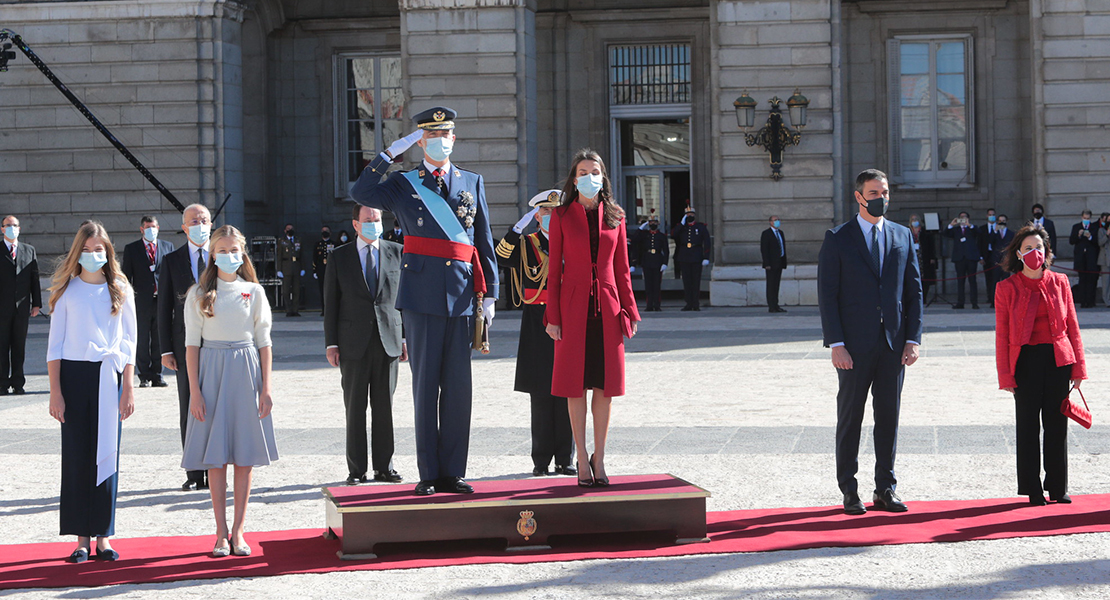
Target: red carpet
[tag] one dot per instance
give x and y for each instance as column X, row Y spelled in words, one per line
column 148, row 560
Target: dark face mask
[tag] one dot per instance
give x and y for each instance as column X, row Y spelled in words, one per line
column 1038, row 214
column 1002, row 223
column 653, row 226
column 876, row 207
column 326, row 235
column 289, row 232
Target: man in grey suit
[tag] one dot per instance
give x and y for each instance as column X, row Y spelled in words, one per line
column 360, row 281
column 869, row 292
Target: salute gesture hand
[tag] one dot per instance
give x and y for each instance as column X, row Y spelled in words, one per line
column 398, row 148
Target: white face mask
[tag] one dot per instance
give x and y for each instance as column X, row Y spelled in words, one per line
column 11, row 232
column 589, row 185
column 198, row 234
column 93, row 261
column 438, row 149
column 150, row 234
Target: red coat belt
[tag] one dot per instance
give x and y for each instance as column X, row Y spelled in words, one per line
column 451, row 251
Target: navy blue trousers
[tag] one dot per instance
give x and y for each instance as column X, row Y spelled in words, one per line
column 86, row 509
column 439, row 355
column 879, row 370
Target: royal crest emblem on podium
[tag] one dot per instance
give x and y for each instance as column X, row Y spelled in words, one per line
column 526, row 526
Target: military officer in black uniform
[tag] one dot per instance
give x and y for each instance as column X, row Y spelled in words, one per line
column 320, row 254
column 650, row 252
column 395, row 234
column 290, row 269
column 691, row 254
column 525, row 257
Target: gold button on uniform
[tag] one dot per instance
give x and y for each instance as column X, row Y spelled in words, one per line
column 448, row 263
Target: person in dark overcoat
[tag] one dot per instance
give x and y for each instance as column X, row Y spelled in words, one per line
column 525, row 258
column 1084, row 237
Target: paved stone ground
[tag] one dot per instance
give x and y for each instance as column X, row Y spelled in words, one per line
column 736, row 400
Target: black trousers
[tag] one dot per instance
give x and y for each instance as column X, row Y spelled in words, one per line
column 369, row 381
column 148, row 352
column 85, row 509
column 291, row 289
column 991, row 275
column 653, row 283
column 183, row 400
column 880, row 370
column 551, row 434
column 691, row 283
column 964, row 268
column 1088, row 286
column 13, row 348
column 1041, row 388
column 774, row 279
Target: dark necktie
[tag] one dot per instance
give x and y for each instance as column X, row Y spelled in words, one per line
column 875, row 247
column 782, row 247
column 441, row 185
column 369, row 273
column 13, row 251
column 201, row 260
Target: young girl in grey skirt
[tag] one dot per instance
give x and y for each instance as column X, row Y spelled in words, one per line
column 228, row 355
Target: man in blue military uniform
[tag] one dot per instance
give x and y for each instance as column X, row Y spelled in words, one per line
column 650, row 252
column 691, row 253
column 448, row 279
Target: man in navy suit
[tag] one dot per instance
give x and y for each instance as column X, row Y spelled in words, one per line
column 1000, row 239
column 142, row 262
column 965, row 255
column 869, row 292
column 448, row 274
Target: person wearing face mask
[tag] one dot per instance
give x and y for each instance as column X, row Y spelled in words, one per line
column 449, row 281
column 142, row 262
column 525, row 258
column 1084, row 238
column 1038, row 351
column 651, row 251
column 20, row 299
column 986, row 252
column 364, row 338
column 180, row 270
column 1104, row 256
column 395, row 234
column 230, row 361
column 1040, row 220
column 344, row 237
column 90, row 359
column 925, row 245
column 290, row 269
column 320, row 255
column 691, row 253
column 869, row 294
column 1003, row 235
column 772, row 246
column 965, row 255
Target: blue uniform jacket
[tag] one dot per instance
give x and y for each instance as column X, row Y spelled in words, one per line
column 856, row 303
column 432, row 285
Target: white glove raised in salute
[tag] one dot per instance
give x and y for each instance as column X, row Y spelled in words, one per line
column 527, row 218
column 398, row 148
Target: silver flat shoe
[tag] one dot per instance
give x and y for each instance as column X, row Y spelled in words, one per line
column 221, row 551
column 243, row 550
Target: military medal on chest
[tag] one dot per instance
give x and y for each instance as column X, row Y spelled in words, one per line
column 467, row 209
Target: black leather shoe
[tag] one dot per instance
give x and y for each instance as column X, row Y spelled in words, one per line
column 144, row 383
column 108, row 554
column 454, row 485
column 352, row 480
column 79, row 555
column 887, row 500
column 18, row 391
column 425, row 488
column 202, row 485
column 686, row 308
column 780, row 310
column 1038, row 500
column 561, row 470
column 958, row 307
column 188, row 485
column 159, row 382
column 4, row 391
column 975, row 306
column 389, row 476
column 853, row 505
column 1064, row 499
column 540, row 472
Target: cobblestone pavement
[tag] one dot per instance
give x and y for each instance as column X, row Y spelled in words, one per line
column 735, row 400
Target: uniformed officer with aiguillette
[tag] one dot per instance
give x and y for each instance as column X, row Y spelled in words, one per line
column 448, row 279
column 526, row 260
column 650, row 252
column 691, row 253
column 290, row 269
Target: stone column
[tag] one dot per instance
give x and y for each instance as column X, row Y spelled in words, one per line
column 768, row 49
column 1071, row 110
column 479, row 58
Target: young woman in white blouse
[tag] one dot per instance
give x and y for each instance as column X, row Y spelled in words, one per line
column 91, row 361
column 228, row 356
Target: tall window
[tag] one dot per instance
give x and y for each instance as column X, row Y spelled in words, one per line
column 931, row 119
column 370, row 107
column 649, row 74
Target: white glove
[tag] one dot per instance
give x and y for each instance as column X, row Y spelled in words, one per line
column 398, row 148
column 705, row 263
column 280, row 276
column 523, row 222
column 662, row 268
column 643, row 225
column 314, row 276
column 302, row 270
column 631, row 269
column 488, row 309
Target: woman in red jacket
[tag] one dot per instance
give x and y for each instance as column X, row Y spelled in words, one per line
column 590, row 306
column 1037, row 350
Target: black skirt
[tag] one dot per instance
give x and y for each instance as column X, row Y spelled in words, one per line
column 86, row 509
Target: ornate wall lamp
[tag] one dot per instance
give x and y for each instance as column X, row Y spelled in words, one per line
column 775, row 136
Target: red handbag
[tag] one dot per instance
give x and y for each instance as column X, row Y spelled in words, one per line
column 1072, row 410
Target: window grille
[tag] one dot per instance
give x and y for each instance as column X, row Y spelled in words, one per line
column 649, row 74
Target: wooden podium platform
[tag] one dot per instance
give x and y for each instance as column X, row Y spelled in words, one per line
column 524, row 512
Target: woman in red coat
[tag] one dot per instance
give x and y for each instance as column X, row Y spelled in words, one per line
column 590, row 306
column 1037, row 351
